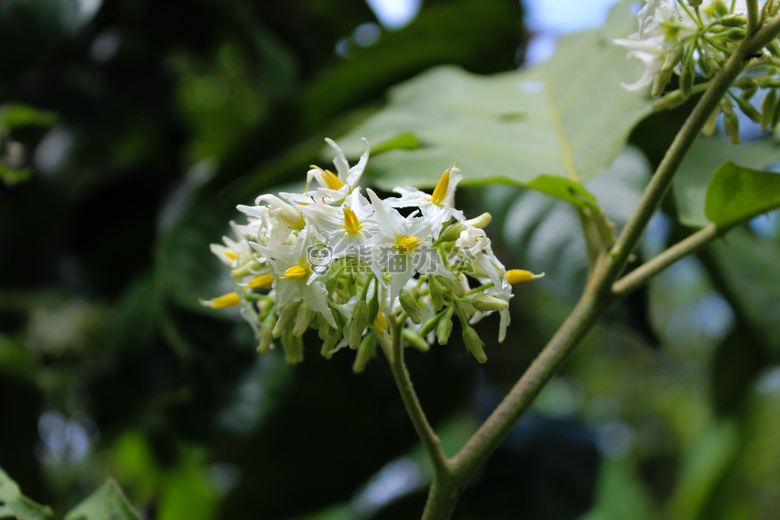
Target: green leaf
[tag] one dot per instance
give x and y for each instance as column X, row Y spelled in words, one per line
column 107, row 503
column 737, row 194
column 14, row 115
column 15, row 505
column 706, row 155
column 567, row 118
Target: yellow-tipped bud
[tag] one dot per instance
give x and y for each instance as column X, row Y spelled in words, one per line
column 351, row 222
column 514, row 276
column 226, row 300
column 264, row 281
column 231, row 254
column 331, row 180
column 295, row 272
column 409, row 243
column 441, row 188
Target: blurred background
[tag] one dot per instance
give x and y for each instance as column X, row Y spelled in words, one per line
column 129, row 131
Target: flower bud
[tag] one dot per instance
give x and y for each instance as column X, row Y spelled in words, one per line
column 245, row 270
column 286, row 317
column 709, row 126
column 415, row 340
column 673, row 57
column 293, row 348
column 775, row 115
column 487, row 303
column 774, row 48
column 749, row 110
column 444, row 328
column 694, row 3
column 454, row 285
column 358, row 323
column 435, row 291
column 720, row 8
column 266, row 332
column 660, row 82
column 365, row 352
column 730, row 121
column 669, row 101
column 330, row 337
column 687, row 76
column 474, row 343
column 373, row 305
column 749, row 92
column 735, row 35
column 767, row 109
column 302, row 320
column 410, row 306
column 430, row 324
column 736, row 20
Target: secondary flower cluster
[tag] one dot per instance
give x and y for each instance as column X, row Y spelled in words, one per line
column 353, row 267
column 693, row 38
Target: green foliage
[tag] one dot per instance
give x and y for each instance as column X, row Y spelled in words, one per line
column 514, row 126
column 106, row 503
column 707, row 155
column 736, row 194
column 15, row 505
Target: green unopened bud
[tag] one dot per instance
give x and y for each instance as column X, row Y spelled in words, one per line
column 736, row 20
column 415, row 340
column 720, row 8
column 474, row 343
column 430, row 324
column 712, row 121
column 266, row 332
column 373, row 306
column 286, row 317
column 302, row 320
column 671, row 100
column 748, row 92
column 330, row 337
column 731, row 125
column 672, row 58
column 660, row 82
column 444, row 327
column 358, row 323
column 293, row 348
column 486, row 303
column 767, row 109
column 774, row 48
column 694, row 3
column 453, row 285
column 687, row 76
column 410, row 306
column 435, row 292
column 735, row 35
column 749, row 110
column 775, row 115
column 365, row 352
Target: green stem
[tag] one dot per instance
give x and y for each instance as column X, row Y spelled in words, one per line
column 441, row 465
column 643, row 273
column 597, row 295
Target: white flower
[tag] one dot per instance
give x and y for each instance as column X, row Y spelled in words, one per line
column 441, row 202
column 404, row 245
column 297, row 280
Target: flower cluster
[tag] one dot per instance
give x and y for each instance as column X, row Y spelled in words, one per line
column 694, row 39
column 358, row 270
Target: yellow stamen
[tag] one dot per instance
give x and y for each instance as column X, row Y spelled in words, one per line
column 351, row 222
column 514, row 276
column 409, row 243
column 226, row 300
column 231, row 254
column 295, row 272
column 331, row 180
column 264, row 281
column 380, row 323
column 440, row 192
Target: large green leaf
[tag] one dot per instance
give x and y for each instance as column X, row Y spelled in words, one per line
column 568, row 117
column 706, row 155
column 736, row 194
column 106, row 503
column 17, row 506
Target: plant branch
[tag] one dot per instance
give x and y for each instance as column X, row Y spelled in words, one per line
column 430, row 440
column 643, row 273
column 752, row 16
